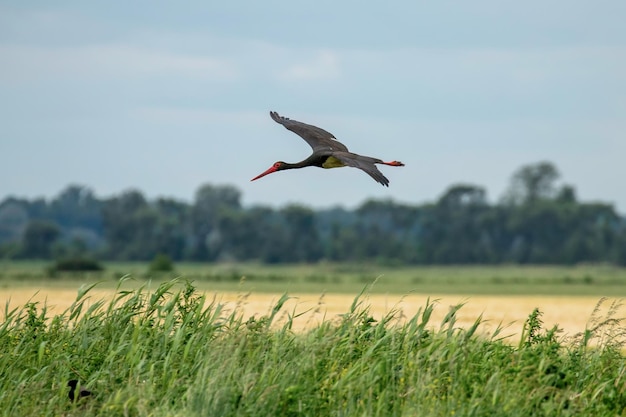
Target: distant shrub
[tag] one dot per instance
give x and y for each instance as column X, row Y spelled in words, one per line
column 9, row 250
column 161, row 263
column 78, row 264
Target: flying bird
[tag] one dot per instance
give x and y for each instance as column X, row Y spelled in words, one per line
column 76, row 392
column 328, row 152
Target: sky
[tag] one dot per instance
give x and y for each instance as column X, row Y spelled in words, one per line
column 167, row 96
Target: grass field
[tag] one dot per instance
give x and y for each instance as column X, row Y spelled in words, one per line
column 229, row 345
column 171, row 351
column 586, row 280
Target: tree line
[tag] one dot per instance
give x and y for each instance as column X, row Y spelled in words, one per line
column 536, row 221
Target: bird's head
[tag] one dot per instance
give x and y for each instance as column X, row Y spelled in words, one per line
column 277, row 166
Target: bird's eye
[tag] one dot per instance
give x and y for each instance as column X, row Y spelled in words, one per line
column 277, row 164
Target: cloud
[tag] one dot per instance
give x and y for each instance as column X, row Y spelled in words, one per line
column 176, row 115
column 324, row 65
column 25, row 62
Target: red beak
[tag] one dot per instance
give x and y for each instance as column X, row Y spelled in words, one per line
column 269, row 171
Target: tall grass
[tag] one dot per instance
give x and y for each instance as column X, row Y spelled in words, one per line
column 171, row 352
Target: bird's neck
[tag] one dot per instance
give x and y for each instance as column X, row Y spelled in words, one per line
column 295, row 165
column 310, row 161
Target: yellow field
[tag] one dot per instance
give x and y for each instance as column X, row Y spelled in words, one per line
column 571, row 313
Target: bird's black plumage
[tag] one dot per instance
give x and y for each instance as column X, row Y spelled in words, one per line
column 319, row 139
column 328, row 152
column 76, row 391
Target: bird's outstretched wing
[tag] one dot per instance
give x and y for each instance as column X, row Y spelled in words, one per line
column 319, row 139
column 364, row 163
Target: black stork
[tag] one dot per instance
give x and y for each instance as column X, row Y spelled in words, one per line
column 328, row 152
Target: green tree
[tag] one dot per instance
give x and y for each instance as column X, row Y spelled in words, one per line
column 210, row 204
column 258, row 233
column 172, row 227
column 128, row 224
column 39, row 238
column 460, row 196
column 531, row 183
column 302, row 237
column 76, row 207
column 13, row 221
column 384, row 231
column 455, row 229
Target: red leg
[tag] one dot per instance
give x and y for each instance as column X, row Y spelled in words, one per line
column 394, row 163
